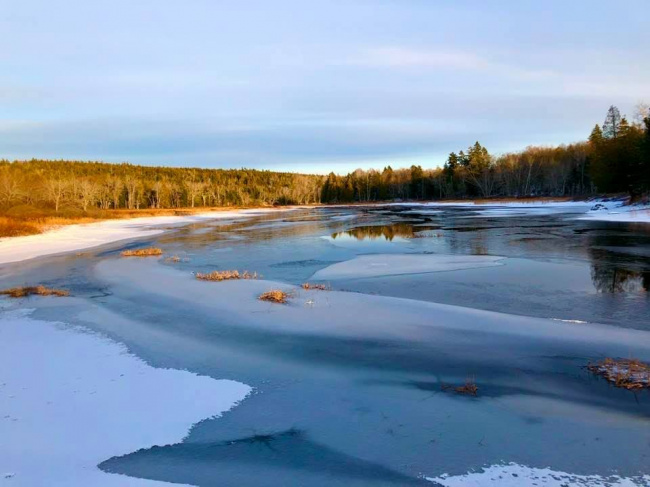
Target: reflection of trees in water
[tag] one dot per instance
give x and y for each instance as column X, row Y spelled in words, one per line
column 387, row 232
column 615, row 272
column 612, row 279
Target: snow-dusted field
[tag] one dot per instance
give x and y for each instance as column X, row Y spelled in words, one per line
column 70, row 399
column 71, row 238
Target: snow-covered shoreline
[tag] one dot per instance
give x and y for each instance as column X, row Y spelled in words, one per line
column 615, row 211
column 513, row 475
column 612, row 210
column 70, row 399
column 72, row 238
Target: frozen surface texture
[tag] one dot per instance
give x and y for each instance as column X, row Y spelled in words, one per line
column 392, row 265
column 513, row 475
column 70, row 399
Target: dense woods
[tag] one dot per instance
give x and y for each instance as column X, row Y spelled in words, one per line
column 59, row 185
column 616, row 158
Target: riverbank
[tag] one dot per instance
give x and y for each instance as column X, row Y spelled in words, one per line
column 26, row 220
column 71, row 236
column 75, row 237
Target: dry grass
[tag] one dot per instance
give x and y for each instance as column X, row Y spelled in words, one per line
column 468, row 389
column 274, row 296
column 10, row 227
column 225, row 275
column 626, row 373
column 29, row 221
column 148, row 252
column 315, row 287
column 25, row 291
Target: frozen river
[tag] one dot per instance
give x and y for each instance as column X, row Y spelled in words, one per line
column 348, row 386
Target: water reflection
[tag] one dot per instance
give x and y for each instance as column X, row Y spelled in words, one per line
column 611, row 279
column 374, row 232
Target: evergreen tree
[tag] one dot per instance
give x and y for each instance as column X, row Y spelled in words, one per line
column 596, row 136
column 612, row 125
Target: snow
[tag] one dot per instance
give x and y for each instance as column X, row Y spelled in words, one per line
column 508, row 204
column 70, row 399
column 514, row 475
column 616, row 212
column 398, row 264
column 71, row 238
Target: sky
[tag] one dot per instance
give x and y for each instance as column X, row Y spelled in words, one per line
column 312, row 86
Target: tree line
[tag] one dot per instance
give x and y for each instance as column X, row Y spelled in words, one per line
column 66, row 185
column 616, row 158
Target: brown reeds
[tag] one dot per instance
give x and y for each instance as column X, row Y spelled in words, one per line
column 315, row 287
column 225, row 275
column 148, row 252
column 468, row 389
column 25, row 291
column 629, row 374
column 274, row 296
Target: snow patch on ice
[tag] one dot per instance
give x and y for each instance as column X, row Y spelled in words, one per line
column 400, row 264
column 514, row 475
column 70, row 399
column 616, row 211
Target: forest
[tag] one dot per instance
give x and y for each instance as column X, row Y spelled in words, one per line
column 615, row 159
column 65, row 185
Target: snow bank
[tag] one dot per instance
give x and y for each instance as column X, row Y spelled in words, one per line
column 399, row 264
column 78, row 237
column 70, row 399
column 616, row 212
column 513, row 475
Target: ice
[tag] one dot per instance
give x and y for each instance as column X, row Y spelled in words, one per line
column 398, row 264
column 514, row 475
column 70, row 399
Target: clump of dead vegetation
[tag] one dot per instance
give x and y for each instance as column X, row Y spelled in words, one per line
column 25, row 291
column 468, row 389
column 427, row 235
column 148, row 252
column 274, row 296
column 10, row 227
column 174, row 259
column 629, row 374
column 315, row 287
column 225, row 275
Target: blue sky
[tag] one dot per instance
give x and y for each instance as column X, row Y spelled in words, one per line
column 312, row 86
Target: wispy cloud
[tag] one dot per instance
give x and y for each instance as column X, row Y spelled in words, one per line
column 405, row 57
